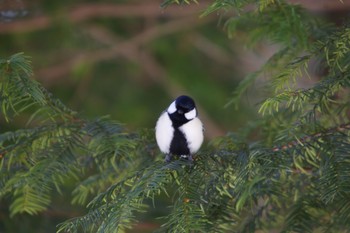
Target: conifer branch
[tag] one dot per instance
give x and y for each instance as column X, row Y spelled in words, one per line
column 312, row 138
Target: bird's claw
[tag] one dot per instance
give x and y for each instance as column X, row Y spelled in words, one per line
column 167, row 158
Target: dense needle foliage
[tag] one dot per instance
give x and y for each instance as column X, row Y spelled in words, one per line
column 294, row 177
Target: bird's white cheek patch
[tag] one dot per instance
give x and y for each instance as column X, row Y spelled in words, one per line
column 172, row 108
column 191, row 114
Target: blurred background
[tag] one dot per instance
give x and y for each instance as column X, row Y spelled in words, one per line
column 129, row 60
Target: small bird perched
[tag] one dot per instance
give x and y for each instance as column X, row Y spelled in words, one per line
column 178, row 130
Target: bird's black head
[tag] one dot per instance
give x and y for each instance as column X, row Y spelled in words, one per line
column 184, row 104
column 182, row 110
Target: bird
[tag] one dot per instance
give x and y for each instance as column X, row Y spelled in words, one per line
column 178, row 130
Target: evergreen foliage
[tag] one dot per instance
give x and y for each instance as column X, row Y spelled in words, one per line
column 294, row 178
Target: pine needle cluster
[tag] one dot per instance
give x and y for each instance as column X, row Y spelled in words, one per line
column 294, row 178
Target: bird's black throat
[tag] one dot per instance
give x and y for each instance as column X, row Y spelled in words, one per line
column 178, row 145
column 177, row 119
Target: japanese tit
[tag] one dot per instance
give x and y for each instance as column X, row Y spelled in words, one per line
column 178, row 130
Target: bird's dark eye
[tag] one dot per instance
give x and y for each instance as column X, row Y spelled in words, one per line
column 180, row 111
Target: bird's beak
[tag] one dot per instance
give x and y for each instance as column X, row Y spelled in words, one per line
column 180, row 111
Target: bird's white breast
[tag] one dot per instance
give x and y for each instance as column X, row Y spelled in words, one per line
column 164, row 132
column 193, row 131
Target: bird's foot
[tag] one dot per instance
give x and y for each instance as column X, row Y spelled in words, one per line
column 167, row 158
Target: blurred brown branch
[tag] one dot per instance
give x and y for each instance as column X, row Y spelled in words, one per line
column 53, row 74
column 148, row 9
column 213, row 50
column 92, row 10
